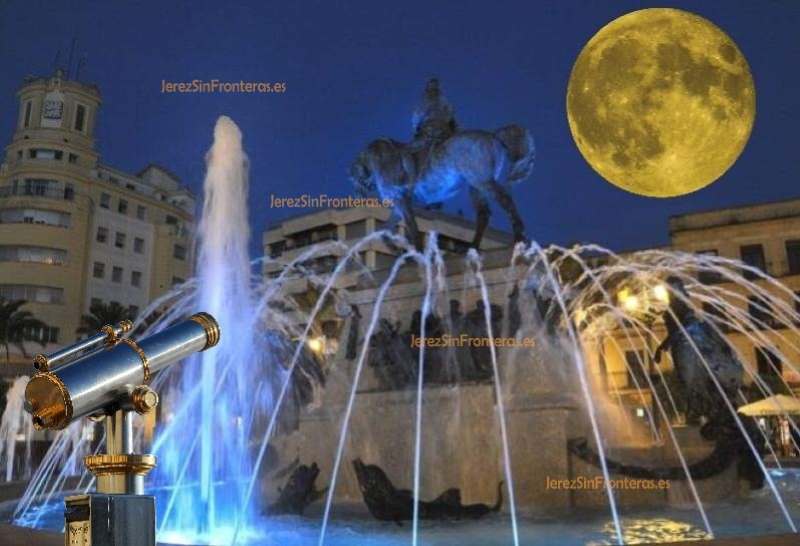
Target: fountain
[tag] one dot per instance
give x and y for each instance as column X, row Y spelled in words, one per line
column 268, row 440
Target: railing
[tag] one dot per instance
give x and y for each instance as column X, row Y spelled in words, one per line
column 47, row 193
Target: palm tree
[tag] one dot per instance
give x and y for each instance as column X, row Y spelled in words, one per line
column 101, row 314
column 14, row 324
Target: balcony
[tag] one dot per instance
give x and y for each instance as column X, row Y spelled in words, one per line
column 62, row 194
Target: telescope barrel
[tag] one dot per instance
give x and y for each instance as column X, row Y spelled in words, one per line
column 101, row 379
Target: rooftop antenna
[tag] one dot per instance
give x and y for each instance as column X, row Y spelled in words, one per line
column 71, row 54
column 81, row 64
column 57, row 61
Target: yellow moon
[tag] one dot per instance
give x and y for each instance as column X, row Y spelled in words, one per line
column 661, row 102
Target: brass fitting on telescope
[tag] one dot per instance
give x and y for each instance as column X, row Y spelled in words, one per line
column 115, row 472
column 113, row 334
column 211, row 327
column 144, row 399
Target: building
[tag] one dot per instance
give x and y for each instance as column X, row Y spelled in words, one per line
column 765, row 236
column 73, row 230
column 289, row 238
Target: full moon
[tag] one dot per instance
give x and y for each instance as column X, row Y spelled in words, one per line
column 661, row 102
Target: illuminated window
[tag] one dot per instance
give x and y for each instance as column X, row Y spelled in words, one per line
column 32, row 254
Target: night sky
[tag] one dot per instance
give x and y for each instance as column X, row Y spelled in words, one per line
column 355, row 70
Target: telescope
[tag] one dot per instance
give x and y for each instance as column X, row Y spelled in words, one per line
column 105, row 377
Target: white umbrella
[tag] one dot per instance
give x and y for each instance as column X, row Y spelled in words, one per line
column 779, row 404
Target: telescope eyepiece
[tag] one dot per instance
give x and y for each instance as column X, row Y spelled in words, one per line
column 211, row 327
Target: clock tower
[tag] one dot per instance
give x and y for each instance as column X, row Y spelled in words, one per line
column 59, row 115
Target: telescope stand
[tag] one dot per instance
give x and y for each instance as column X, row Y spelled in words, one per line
column 105, row 377
column 119, row 513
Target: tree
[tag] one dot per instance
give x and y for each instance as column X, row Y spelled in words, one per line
column 101, row 314
column 15, row 324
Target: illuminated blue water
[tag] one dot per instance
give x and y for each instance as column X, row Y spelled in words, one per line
column 351, row 527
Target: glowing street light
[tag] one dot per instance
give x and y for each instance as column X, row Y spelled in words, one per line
column 629, row 301
column 316, row 344
column 661, row 293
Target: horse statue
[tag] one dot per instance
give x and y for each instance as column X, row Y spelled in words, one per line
column 440, row 161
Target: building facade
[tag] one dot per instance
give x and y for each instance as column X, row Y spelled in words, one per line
column 288, row 239
column 74, row 231
column 765, row 236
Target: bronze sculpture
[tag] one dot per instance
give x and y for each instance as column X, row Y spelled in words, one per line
column 441, row 160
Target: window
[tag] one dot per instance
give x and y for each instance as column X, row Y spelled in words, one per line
column 638, row 367
column 708, row 276
column 355, row 230
column 171, row 220
column 99, row 270
column 26, row 119
column 34, row 216
column 32, row 293
column 32, row 254
column 136, row 278
column 116, row 274
column 102, row 235
column 140, row 212
column 45, row 153
column 80, row 117
column 177, row 280
column 133, row 311
column 753, row 255
column 73, row 158
column 45, row 334
column 276, row 249
column 130, row 186
column 138, row 245
column 119, row 240
column 19, row 155
column 793, row 256
column 179, row 252
column 122, row 208
column 769, row 365
column 42, row 187
column 105, row 200
column 760, row 312
column 716, row 315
